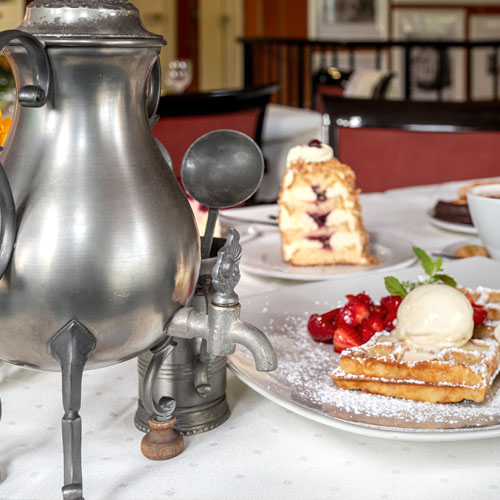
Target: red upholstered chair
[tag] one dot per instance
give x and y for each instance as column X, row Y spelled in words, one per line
column 392, row 144
column 185, row 117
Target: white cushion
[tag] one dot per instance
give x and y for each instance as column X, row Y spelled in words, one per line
column 284, row 128
column 285, row 122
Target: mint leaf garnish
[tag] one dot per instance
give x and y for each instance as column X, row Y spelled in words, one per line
column 438, row 265
column 447, row 280
column 425, row 261
column 431, row 267
column 395, row 287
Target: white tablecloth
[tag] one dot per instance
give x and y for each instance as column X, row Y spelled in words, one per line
column 262, row 452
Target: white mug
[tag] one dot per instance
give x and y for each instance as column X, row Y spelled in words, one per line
column 484, row 206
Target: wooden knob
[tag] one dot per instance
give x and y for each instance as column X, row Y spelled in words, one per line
column 163, row 441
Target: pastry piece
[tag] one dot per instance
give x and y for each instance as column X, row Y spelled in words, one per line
column 465, row 251
column 462, row 192
column 392, row 366
column 320, row 215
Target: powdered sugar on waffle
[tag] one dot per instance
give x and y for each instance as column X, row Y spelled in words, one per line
column 302, row 378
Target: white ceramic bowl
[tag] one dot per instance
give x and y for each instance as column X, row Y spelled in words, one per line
column 485, row 213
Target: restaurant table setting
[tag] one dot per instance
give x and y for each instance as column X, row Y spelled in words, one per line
column 280, row 440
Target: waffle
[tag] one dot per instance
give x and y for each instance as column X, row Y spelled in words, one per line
column 388, row 366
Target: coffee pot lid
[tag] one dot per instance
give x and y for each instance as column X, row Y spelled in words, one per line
column 84, row 19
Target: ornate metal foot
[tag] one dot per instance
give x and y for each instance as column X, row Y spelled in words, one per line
column 163, row 442
column 71, row 347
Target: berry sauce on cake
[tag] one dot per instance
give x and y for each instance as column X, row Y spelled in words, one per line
column 320, row 215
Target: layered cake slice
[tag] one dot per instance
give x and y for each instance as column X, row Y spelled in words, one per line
column 320, row 214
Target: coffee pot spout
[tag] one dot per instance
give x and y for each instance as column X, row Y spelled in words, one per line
column 257, row 343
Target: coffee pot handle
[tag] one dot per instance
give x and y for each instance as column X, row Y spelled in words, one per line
column 154, row 91
column 35, row 95
column 8, row 221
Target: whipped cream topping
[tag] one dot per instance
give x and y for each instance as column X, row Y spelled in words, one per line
column 435, row 316
column 309, row 154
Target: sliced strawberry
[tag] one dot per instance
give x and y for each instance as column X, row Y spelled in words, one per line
column 366, row 331
column 363, row 298
column 375, row 322
column 344, row 337
column 320, row 330
column 390, row 303
column 331, row 316
column 345, row 316
column 353, row 313
column 479, row 314
column 389, row 321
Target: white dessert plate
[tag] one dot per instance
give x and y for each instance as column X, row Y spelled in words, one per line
column 301, row 383
column 259, row 214
column 262, row 256
column 455, row 227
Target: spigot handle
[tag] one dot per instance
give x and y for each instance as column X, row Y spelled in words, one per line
column 201, row 380
column 226, row 271
column 163, row 410
column 36, row 95
column 154, row 92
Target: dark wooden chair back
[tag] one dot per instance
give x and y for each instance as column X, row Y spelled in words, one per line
column 392, row 144
column 185, row 117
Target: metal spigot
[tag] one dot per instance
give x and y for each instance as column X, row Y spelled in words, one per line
column 221, row 327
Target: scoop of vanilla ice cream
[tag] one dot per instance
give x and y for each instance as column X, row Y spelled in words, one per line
column 435, row 316
column 309, row 154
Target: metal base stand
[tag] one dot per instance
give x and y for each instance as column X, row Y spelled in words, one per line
column 71, row 347
column 190, row 421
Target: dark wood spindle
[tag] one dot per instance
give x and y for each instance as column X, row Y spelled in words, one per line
column 378, row 58
column 281, row 48
column 407, row 70
column 495, row 72
column 300, row 71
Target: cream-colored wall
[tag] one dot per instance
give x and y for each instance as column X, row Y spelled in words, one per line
column 11, row 13
column 220, row 54
column 160, row 16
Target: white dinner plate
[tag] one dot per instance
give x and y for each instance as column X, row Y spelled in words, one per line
column 262, row 256
column 455, row 227
column 301, row 383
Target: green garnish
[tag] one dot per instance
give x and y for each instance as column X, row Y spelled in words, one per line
column 431, row 267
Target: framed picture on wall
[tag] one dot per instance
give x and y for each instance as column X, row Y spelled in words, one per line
column 434, row 73
column 349, row 19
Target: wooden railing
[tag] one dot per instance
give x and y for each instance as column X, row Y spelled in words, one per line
column 293, row 62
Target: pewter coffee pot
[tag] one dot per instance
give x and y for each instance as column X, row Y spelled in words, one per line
column 99, row 251
column 97, row 206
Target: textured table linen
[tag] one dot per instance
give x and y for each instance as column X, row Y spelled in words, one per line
column 262, row 452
